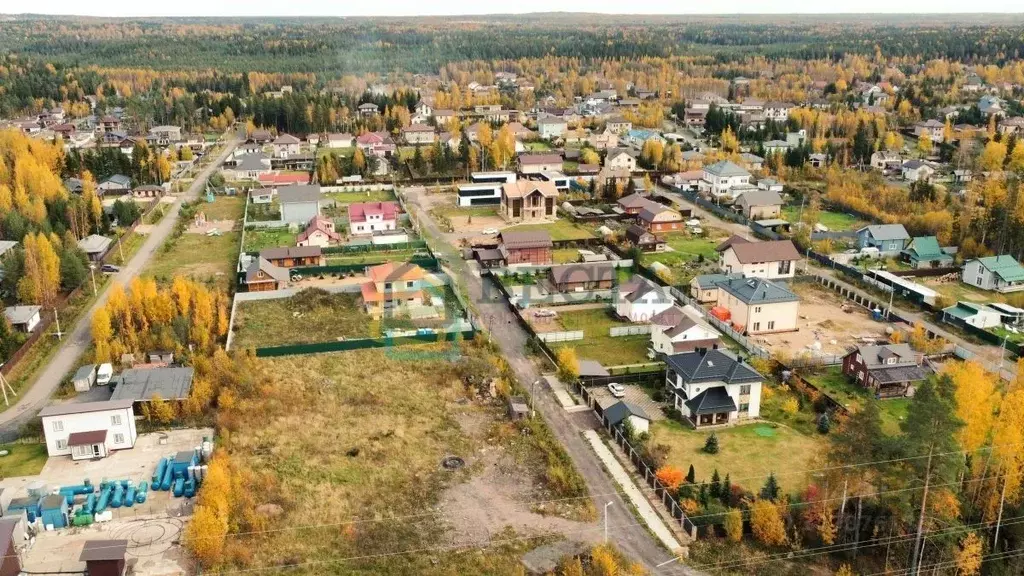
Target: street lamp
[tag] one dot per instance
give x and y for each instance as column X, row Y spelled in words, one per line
column 92, row 273
column 606, row 521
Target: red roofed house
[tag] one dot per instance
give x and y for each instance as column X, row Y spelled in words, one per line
column 283, row 179
column 320, row 232
column 377, row 143
column 392, row 285
column 369, row 217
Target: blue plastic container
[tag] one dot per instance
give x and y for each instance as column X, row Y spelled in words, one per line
column 168, row 479
column 158, row 474
column 140, row 495
column 118, row 498
column 179, row 487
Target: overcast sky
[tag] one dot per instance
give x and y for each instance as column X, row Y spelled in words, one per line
column 446, row 7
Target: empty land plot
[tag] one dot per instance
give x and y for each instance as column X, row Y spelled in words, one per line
column 224, row 208
column 835, row 221
column 257, row 239
column 842, row 389
column 374, row 257
column 356, row 439
column 826, row 319
column 559, row 230
column 305, row 318
column 597, row 344
column 748, row 453
column 346, row 198
column 198, row 256
column 687, row 250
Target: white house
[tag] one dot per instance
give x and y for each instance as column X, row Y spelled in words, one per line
column 977, row 315
column 759, row 306
column 23, row 318
column 777, row 111
column 620, row 159
column 370, row 217
column 639, row 300
column 679, row 330
column 770, row 260
column 719, row 178
column 286, row 146
column 713, row 387
column 1000, row 273
column 622, row 411
column 551, row 127
column 89, row 429
column 340, row 140
column 917, row 170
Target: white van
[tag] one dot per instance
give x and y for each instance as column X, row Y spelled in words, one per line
column 104, row 372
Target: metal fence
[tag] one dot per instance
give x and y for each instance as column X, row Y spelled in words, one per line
column 616, row 331
column 362, row 343
column 567, row 336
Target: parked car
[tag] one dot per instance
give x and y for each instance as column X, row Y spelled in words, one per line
column 545, row 313
column 104, row 373
column 489, row 231
column 110, row 269
column 617, row 390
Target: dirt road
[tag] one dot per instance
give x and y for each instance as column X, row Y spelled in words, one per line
column 34, row 397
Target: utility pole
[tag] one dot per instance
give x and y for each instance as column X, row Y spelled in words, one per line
column 915, row 565
column 92, row 273
column 5, row 386
column 56, row 318
column 533, row 394
column 606, row 521
column 999, row 519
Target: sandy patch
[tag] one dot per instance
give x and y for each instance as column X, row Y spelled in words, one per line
column 222, row 225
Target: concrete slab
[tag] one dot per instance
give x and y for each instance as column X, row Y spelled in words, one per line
column 643, row 507
column 634, row 394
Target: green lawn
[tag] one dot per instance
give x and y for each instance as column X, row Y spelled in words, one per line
column 560, row 229
column 198, row 256
column 836, row 221
column 257, row 239
column 565, row 255
column 686, row 249
column 748, row 453
column 340, row 152
column 537, row 146
column 346, row 198
column 371, row 257
column 22, row 460
column 840, row 388
column 957, row 291
column 597, row 344
column 224, row 208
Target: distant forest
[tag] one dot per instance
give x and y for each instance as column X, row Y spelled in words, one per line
column 356, row 46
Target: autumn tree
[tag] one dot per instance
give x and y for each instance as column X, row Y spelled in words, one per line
column 205, row 535
column 161, row 410
column 992, row 156
column 40, row 282
column 924, row 143
column 976, row 398
column 670, row 476
column 733, row 525
column 766, row 523
column 729, row 141
column 101, row 335
column 568, row 364
column 589, row 156
column 969, row 556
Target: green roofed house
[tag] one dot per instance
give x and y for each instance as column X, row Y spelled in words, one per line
column 1000, row 273
column 924, row 252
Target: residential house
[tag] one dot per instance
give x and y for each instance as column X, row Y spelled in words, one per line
column 95, row 246
column 713, row 387
column 109, row 124
column 760, row 204
column 602, row 140
column 392, row 287
column 299, row 202
column 637, row 137
column 1013, row 125
column 977, row 315
column 678, row 330
column 261, row 276
column 583, row 276
column 721, row 177
column 340, row 140
column 416, row 134
column 293, row 256
column 319, row 232
column 23, row 318
column 539, row 163
column 770, row 260
column 368, row 109
column 73, row 185
column 777, row 111
column 286, row 145
column 528, row 200
column 640, row 299
column 776, row 147
column 261, row 136
column 886, row 160
column 889, row 239
column 88, row 430
column 550, row 127
column 644, row 239
column 611, row 178
column 770, row 184
column 620, row 159
column 924, row 252
column 990, row 105
column 931, row 128
column 623, row 413
column 917, row 171
column 634, row 203
column 1000, row 273
column 378, row 144
column 618, row 125
column 444, row 117
column 656, row 217
column 525, row 247
column 704, row 287
column 370, row 217
column 148, row 191
column 890, row 370
column 115, row 185
column 759, row 306
column 817, row 160
column 249, row 167
column 751, row 161
column 164, row 135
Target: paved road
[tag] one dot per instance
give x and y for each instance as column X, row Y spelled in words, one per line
column 35, row 397
column 494, row 313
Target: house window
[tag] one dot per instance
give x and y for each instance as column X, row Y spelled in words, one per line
column 784, row 267
column 771, row 324
column 744, row 407
column 62, row 444
column 118, row 438
column 757, row 309
column 409, row 284
column 757, row 326
column 980, row 280
column 58, row 425
column 745, row 389
column 115, row 420
column 387, row 285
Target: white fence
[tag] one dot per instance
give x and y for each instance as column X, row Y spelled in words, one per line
column 561, row 336
column 356, row 187
column 616, row 331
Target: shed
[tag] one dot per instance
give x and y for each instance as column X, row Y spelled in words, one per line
column 623, row 411
column 54, row 511
column 518, row 409
column 104, row 557
column 27, row 504
column 84, row 378
column 141, row 384
column 10, row 564
column 95, row 246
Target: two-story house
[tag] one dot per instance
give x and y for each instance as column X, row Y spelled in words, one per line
column 889, row 239
column 88, row 430
column 528, row 201
column 760, row 204
column 758, row 306
column 525, row 247
column 678, row 330
column 931, row 128
column 392, row 286
column 713, row 387
column 419, row 134
column 639, row 299
column 890, row 370
column 370, row 217
column 286, row 145
column 720, row 178
column 550, row 127
column 261, row 276
column 620, row 159
column 539, row 163
column 1000, row 273
column 319, row 232
column 770, row 260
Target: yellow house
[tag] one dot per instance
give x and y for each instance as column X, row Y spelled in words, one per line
column 391, row 287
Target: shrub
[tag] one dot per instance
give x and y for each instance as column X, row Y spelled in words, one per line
column 824, row 424
column 711, row 444
column 734, row 525
column 766, row 523
column 670, row 476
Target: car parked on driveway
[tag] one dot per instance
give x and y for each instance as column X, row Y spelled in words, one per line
column 617, row 390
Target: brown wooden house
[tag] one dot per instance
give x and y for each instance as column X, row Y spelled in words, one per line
column 890, row 371
column 104, row 557
column 291, row 257
column 583, row 276
column 643, row 239
column 262, row 276
column 526, row 247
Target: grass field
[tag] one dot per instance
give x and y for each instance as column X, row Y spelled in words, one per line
column 597, row 344
column 840, row 388
column 198, row 256
column 300, row 320
column 537, row 146
column 371, row 257
column 957, row 291
column 346, row 198
column 748, row 453
column 560, row 229
column 354, row 441
column 836, row 221
column 686, row 248
column 224, row 208
column 565, row 255
column 257, row 239
column 22, row 459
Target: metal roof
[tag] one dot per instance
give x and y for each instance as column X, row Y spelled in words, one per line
column 94, row 244
column 85, row 407
column 21, row 314
column 725, row 168
column 711, row 401
column 143, row 383
column 520, row 239
column 621, row 410
column 772, row 251
column 886, row 231
column 712, row 366
column 103, row 550
column 759, row 291
column 299, row 193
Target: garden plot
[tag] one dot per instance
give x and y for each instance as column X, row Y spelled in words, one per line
column 595, row 320
column 828, row 325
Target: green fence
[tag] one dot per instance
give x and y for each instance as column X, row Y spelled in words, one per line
column 361, row 343
column 427, row 262
column 349, row 248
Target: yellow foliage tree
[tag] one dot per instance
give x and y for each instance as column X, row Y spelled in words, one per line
column 205, row 535
column 161, row 410
column 968, row 558
column 976, row 398
column 40, row 281
column 766, row 523
column 992, row 156
column 734, row 525
column 568, row 363
column 729, row 141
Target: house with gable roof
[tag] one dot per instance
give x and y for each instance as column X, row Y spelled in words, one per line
column 370, row 217
column 889, row 239
column 925, row 252
column 677, row 330
column 528, row 200
column 393, row 286
column 721, row 178
column 1000, row 273
column 890, row 370
column 759, row 306
column 319, row 232
column 771, row 260
column 713, row 387
column 639, row 299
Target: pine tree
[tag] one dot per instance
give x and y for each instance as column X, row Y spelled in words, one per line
column 716, row 484
column 726, row 495
column 711, row 445
column 691, row 475
column 770, row 490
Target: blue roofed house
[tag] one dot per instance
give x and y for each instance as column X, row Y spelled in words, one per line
column 889, row 239
column 759, row 306
column 925, row 252
column 1000, row 273
column 713, row 387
